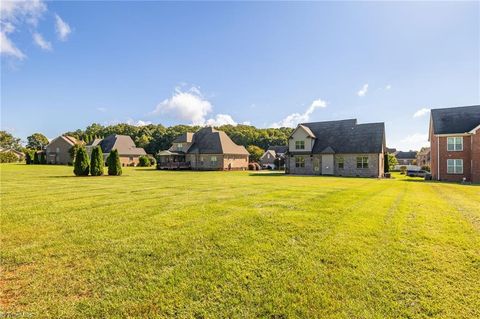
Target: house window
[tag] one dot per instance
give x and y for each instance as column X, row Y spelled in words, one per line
column 179, row 146
column 455, row 166
column 299, row 161
column 58, row 149
column 340, row 162
column 131, row 158
column 362, row 162
column 299, row 145
column 455, row 143
column 213, row 160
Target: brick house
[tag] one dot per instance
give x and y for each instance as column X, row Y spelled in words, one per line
column 423, row 157
column 340, row 148
column 406, row 158
column 58, row 150
column 454, row 137
column 207, row 149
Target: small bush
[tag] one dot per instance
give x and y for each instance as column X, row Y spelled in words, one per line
column 114, row 167
column 251, row 166
column 43, row 158
column 426, row 168
column 8, row 157
column 153, row 161
column 28, row 157
column 132, row 164
column 96, row 164
column 81, row 167
column 144, row 161
column 403, row 170
column 257, row 166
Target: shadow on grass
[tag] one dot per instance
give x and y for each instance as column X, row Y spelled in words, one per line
column 276, row 174
column 437, row 182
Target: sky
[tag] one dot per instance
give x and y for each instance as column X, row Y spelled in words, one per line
column 65, row 65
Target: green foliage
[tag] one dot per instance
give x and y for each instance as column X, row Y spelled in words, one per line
column 36, row 158
column 426, row 168
column 255, row 153
column 42, row 158
column 8, row 141
column 29, row 156
column 96, row 164
column 114, row 166
column 386, row 165
column 144, row 161
column 81, row 166
column 403, row 169
column 37, row 141
column 8, row 157
column 73, row 151
column 392, row 162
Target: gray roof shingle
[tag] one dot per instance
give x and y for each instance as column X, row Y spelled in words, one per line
column 406, row 155
column 279, row 149
column 455, row 119
column 346, row 136
column 122, row 143
column 210, row 141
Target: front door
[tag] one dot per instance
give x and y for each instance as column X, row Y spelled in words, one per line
column 327, row 164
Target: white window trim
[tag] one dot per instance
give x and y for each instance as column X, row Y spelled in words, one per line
column 455, row 166
column 454, row 144
column 298, row 148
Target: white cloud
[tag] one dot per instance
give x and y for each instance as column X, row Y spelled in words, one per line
column 221, row 119
column 294, row 119
column 363, row 90
column 413, row 142
column 14, row 14
column 246, row 123
column 7, row 47
column 421, row 112
column 41, row 42
column 62, row 28
column 138, row 123
column 388, row 87
column 189, row 105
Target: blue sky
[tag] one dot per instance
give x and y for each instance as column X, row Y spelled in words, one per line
column 68, row 64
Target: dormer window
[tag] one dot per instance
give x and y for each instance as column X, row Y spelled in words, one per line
column 179, row 146
column 299, row 145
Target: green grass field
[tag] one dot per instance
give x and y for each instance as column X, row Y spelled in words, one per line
column 236, row 244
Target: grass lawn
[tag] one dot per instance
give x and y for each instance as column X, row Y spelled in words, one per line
column 236, row 244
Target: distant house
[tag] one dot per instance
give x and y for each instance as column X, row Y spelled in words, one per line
column 207, row 149
column 20, row 156
column 406, row 158
column 341, row 148
column 58, row 150
column 423, row 157
column 128, row 152
column 455, row 143
column 273, row 156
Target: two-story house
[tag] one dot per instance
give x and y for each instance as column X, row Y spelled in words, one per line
column 274, row 156
column 341, row 148
column 207, row 149
column 455, row 143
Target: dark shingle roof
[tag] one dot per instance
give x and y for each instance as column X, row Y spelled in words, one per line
column 346, row 136
column 210, row 141
column 279, row 149
column 184, row 138
column 455, row 119
column 406, row 155
column 122, row 143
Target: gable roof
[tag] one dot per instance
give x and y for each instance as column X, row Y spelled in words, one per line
column 122, row 143
column 346, row 136
column 211, row 141
column 455, row 119
column 406, row 155
column 271, row 152
column 279, row 149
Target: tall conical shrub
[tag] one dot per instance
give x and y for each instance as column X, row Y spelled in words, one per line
column 96, row 163
column 36, row 158
column 114, row 167
column 81, row 167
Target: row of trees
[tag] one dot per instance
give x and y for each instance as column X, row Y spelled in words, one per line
column 154, row 138
column 95, row 166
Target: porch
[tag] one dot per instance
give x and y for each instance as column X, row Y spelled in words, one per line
column 172, row 160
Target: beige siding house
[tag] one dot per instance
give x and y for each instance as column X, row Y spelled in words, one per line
column 207, row 149
column 340, row 148
column 58, row 150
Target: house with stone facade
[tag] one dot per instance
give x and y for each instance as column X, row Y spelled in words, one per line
column 454, row 137
column 423, row 157
column 274, row 156
column 207, row 149
column 340, row 148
